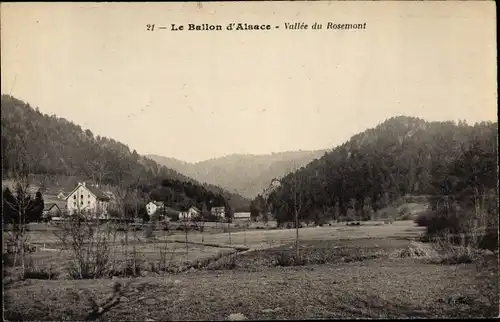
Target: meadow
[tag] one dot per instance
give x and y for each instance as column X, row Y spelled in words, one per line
column 374, row 270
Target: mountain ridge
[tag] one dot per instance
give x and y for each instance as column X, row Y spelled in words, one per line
column 58, row 147
column 245, row 174
column 400, row 156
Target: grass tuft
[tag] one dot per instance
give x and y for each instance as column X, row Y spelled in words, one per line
column 288, row 259
column 416, row 250
column 227, row 262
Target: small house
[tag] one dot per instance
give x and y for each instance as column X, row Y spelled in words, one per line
column 51, row 210
column 153, row 206
column 193, row 212
column 218, row 211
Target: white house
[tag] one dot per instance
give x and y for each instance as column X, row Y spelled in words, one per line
column 87, row 198
column 153, row 206
column 218, row 211
column 192, row 212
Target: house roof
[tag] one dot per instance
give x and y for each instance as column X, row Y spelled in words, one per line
column 101, row 195
column 98, row 192
column 49, row 206
column 198, row 210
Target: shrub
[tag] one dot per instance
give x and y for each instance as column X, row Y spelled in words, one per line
column 224, row 262
column 346, row 219
column 40, row 274
column 416, row 250
column 131, row 267
column 286, row 258
column 438, row 223
column 490, row 241
column 404, row 211
column 33, row 271
column 7, row 259
column 451, row 254
column 89, row 243
column 405, row 217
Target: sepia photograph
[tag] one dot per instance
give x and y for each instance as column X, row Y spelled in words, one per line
column 249, row 160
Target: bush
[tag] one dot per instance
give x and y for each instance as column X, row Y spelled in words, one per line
column 417, row 250
column 404, row 211
column 225, row 262
column 405, row 217
column 286, row 258
column 40, row 274
column 132, row 267
column 438, row 223
column 32, row 271
column 490, row 241
column 346, row 219
column 450, row 254
column 7, row 259
column 89, row 243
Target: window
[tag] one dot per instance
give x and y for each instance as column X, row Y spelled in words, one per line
column 74, row 197
column 74, row 203
column 88, row 202
column 88, row 196
column 81, row 202
column 82, row 196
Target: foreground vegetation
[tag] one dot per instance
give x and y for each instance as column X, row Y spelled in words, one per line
column 377, row 271
column 380, row 288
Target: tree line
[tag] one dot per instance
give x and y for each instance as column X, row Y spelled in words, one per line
column 53, row 146
column 402, row 156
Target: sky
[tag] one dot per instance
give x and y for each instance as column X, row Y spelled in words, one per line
column 195, row 95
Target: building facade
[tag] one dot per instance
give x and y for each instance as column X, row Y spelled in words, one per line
column 218, row 211
column 153, row 206
column 87, row 198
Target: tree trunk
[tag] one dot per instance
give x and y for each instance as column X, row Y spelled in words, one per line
column 21, row 241
column 186, row 235
column 297, row 235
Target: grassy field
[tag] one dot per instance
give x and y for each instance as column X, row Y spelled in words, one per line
column 276, row 237
column 350, row 272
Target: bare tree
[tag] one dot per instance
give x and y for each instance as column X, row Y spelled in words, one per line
column 22, row 169
column 184, row 219
column 199, row 221
column 89, row 242
column 297, row 207
column 127, row 182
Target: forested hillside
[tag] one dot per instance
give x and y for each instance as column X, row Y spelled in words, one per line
column 53, row 146
column 401, row 156
column 246, row 174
